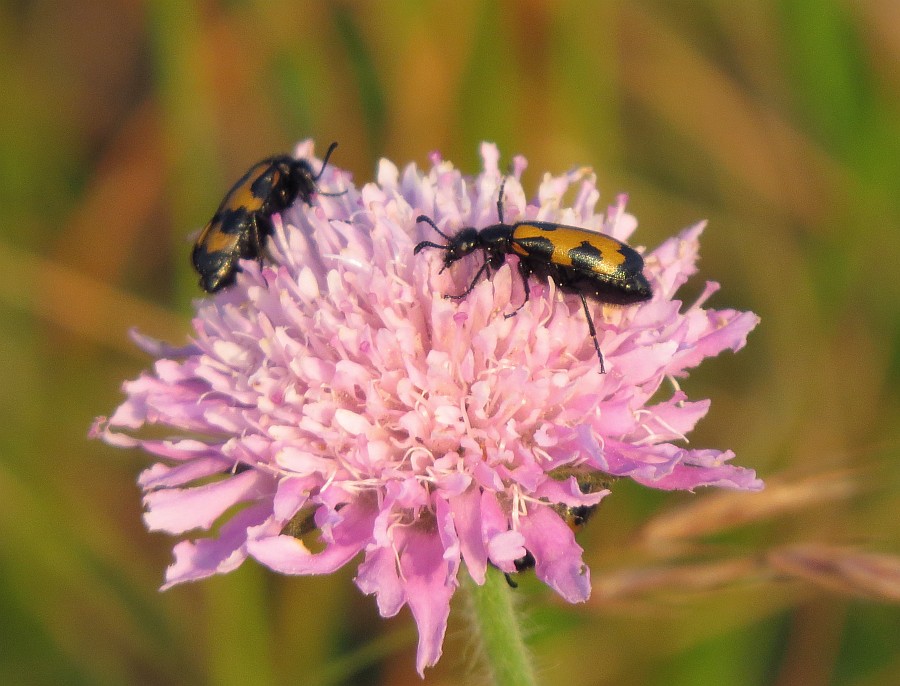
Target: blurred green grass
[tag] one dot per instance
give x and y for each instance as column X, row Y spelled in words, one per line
column 123, row 123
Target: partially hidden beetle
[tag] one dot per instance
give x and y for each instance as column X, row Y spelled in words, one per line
column 586, row 263
column 243, row 222
column 575, row 516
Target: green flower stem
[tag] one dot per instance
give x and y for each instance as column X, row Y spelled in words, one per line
column 496, row 623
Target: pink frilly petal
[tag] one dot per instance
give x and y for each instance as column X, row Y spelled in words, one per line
column 413, row 571
column 378, row 574
column 217, row 555
column 466, row 512
column 177, row 510
column 557, row 557
column 289, row 555
column 429, row 586
column 705, row 468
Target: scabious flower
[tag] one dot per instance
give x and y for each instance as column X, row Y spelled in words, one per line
column 336, row 390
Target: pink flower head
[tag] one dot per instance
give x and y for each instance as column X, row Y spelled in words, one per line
column 336, row 391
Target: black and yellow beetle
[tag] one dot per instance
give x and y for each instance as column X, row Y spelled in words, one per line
column 575, row 516
column 241, row 225
column 586, row 263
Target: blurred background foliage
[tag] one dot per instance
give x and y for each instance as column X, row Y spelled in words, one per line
column 123, row 122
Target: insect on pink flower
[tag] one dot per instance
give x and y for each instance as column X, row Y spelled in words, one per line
column 336, row 390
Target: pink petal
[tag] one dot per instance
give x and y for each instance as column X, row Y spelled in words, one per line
column 466, row 509
column 557, row 557
column 706, row 468
column 207, row 556
column 289, row 555
column 177, row 511
column 378, row 574
column 429, row 587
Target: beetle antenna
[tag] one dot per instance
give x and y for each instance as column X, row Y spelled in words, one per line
column 322, row 171
column 428, row 244
column 429, row 220
column 500, row 200
column 325, row 161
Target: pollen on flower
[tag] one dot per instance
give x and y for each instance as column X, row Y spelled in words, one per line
column 336, row 391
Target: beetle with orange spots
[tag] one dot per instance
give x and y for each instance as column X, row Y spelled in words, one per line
column 586, row 263
column 575, row 516
column 243, row 222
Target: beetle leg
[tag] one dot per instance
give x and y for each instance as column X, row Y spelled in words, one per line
column 468, row 290
column 259, row 226
column 524, row 272
column 590, row 321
